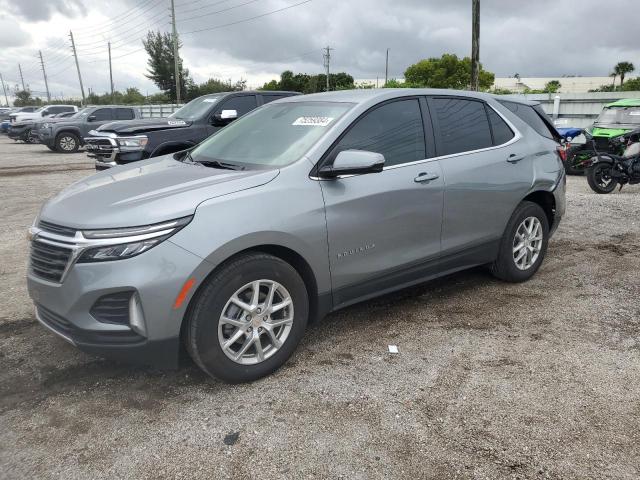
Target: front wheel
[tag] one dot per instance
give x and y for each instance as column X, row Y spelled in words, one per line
column 600, row 179
column 523, row 245
column 247, row 319
column 67, row 143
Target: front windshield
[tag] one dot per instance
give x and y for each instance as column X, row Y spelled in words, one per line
column 195, row 108
column 273, row 135
column 618, row 115
column 80, row 113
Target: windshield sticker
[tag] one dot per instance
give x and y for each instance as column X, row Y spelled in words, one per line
column 313, row 121
column 176, row 122
column 210, row 100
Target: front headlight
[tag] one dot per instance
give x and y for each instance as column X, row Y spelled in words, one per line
column 132, row 143
column 121, row 243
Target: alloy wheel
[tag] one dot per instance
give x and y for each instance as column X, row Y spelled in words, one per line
column 67, row 143
column 255, row 322
column 527, row 243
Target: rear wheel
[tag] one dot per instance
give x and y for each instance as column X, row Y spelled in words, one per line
column 67, row 143
column 523, row 245
column 248, row 318
column 600, row 179
column 29, row 138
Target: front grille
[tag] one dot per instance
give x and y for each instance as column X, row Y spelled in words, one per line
column 57, row 229
column 49, row 261
column 112, row 308
column 99, row 148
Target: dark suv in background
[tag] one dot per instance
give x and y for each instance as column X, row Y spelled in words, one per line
column 119, row 143
column 66, row 135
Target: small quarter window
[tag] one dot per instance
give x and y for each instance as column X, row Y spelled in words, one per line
column 501, row 131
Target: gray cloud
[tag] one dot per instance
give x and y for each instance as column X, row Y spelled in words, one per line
column 542, row 38
column 39, row 10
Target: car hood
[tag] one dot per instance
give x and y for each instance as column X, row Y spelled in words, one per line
column 146, row 192
column 143, row 125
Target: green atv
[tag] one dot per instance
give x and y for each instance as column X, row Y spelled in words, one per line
column 616, row 119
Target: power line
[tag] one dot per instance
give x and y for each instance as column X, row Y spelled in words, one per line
column 219, row 11
column 215, row 27
column 116, row 19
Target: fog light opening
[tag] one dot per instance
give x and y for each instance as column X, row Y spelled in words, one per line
column 136, row 316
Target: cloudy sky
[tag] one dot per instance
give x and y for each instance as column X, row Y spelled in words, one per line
column 257, row 39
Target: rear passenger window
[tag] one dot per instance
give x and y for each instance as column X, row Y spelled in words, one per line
column 124, row 114
column 528, row 115
column 393, row 129
column 102, row 114
column 501, row 131
column 271, row 98
column 242, row 105
column 463, row 125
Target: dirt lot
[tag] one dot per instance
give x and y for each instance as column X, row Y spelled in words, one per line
column 538, row 380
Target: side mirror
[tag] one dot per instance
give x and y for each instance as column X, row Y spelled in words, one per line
column 45, row 113
column 353, row 162
column 91, row 118
column 225, row 117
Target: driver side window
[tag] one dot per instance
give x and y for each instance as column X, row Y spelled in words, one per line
column 394, row 129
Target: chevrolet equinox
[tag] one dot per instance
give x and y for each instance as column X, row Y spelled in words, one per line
column 302, row 207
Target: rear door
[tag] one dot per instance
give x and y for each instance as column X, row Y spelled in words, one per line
column 100, row 116
column 384, row 228
column 487, row 172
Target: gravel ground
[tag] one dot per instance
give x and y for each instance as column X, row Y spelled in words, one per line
column 536, row 380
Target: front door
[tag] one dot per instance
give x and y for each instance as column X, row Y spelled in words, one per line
column 384, row 228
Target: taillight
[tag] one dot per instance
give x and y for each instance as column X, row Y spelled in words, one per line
column 562, row 152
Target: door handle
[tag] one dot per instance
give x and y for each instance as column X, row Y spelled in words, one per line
column 513, row 158
column 425, row 177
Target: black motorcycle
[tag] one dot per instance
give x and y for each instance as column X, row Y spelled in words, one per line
column 605, row 171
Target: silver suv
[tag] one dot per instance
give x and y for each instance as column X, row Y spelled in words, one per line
column 302, row 207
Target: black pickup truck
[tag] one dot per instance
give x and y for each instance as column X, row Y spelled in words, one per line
column 119, row 143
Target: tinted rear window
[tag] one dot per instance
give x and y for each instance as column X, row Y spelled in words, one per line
column 463, row 125
column 531, row 117
column 124, row 114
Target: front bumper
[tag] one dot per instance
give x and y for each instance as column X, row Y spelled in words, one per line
column 156, row 277
column 18, row 133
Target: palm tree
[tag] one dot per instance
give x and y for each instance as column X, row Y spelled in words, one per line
column 622, row 68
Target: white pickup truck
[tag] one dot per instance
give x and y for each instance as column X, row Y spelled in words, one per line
column 44, row 111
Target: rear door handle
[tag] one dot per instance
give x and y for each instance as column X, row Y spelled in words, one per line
column 425, row 177
column 513, row 158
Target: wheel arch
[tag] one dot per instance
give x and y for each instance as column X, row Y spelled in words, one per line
column 74, row 131
column 547, row 202
column 317, row 306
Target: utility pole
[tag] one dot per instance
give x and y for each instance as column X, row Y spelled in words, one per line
column 44, row 74
column 21, row 77
column 75, row 55
column 386, row 69
column 176, row 58
column 327, row 60
column 475, row 44
column 110, row 71
column 4, row 88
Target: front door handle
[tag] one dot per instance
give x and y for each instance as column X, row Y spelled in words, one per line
column 513, row 158
column 426, row 177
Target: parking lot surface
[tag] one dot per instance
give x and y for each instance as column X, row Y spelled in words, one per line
column 492, row 380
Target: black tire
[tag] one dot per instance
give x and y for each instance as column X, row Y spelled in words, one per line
column 203, row 316
column 597, row 177
column 67, row 142
column 504, row 267
column 28, row 138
